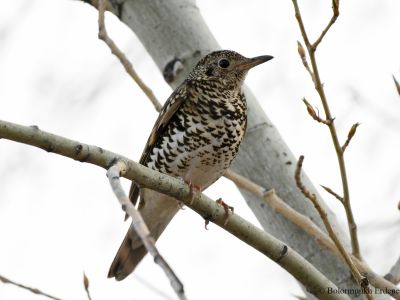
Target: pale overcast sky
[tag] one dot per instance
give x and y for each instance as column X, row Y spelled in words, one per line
column 59, row 217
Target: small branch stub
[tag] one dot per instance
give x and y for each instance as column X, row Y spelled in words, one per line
column 350, row 135
column 330, row 191
column 303, row 58
column 315, row 115
column 86, row 286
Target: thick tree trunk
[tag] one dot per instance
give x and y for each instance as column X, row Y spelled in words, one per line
column 176, row 36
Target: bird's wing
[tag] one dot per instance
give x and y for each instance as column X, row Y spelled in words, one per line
column 169, row 109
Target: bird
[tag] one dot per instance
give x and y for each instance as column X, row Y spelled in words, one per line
column 195, row 138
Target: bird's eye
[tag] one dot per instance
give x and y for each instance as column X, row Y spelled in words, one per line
column 223, row 63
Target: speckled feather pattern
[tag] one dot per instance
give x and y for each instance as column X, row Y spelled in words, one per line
column 196, row 137
column 203, row 136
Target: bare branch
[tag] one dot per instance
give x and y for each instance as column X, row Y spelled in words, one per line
column 350, row 135
column 328, row 116
column 32, row 290
column 303, row 57
column 361, row 280
column 140, row 226
column 397, row 84
column 260, row 240
column 330, row 191
column 102, row 5
column 315, row 115
column 303, row 222
column 86, row 284
column 335, row 10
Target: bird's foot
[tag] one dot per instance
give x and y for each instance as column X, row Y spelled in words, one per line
column 228, row 210
column 194, row 190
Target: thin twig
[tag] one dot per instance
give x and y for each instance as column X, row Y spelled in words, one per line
column 361, row 280
column 140, row 226
column 350, row 135
column 289, row 259
column 303, row 222
column 32, row 290
column 311, row 48
column 335, row 15
column 303, row 58
column 86, row 284
column 315, row 115
column 102, row 6
column 330, row 191
column 397, row 84
column 280, row 207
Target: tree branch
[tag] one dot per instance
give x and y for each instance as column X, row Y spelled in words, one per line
column 86, row 284
column 113, row 174
column 311, row 48
column 362, row 280
column 303, row 222
column 350, row 135
column 31, row 289
column 334, row 194
column 260, row 240
column 102, row 5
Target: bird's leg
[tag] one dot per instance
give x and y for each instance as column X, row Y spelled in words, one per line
column 228, row 210
column 194, row 190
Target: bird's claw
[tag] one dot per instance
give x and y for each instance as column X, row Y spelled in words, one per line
column 194, row 190
column 228, row 210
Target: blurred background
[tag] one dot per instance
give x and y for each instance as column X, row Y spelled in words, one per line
column 59, row 217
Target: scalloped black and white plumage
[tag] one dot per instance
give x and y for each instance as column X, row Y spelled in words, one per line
column 196, row 136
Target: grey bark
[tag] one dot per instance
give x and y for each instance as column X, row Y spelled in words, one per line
column 176, row 36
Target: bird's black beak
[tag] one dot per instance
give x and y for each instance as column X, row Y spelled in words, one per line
column 255, row 61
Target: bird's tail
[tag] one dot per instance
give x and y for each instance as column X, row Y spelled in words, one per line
column 157, row 212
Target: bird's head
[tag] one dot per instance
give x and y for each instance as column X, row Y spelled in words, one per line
column 228, row 67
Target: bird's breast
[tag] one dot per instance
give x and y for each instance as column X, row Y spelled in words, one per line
column 201, row 140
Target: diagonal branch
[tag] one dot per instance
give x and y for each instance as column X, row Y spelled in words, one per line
column 102, row 5
column 260, row 240
column 113, row 174
column 31, row 289
column 303, row 222
column 361, row 280
column 397, row 85
column 335, row 15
